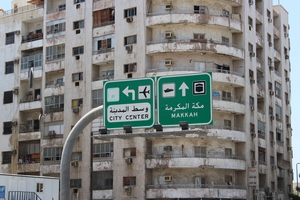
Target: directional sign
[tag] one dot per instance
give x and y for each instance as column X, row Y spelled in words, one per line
column 129, row 102
column 185, row 97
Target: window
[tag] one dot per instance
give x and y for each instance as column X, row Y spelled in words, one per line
column 284, row 29
column 61, row 7
column 278, row 134
column 7, row 128
column 34, row 61
column 6, row 157
column 128, row 181
column 8, row 97
column 200, row 152
column 199, row 36
column 228, row 152
column 104, row 44
column 55, row 27
column 130, row 68
column 76, row 156
column 102, row 180
column 272, row 160
column 285, row 51
column 39, row 187
column 78, row 50
column 268, row 14
column 130, row 40
column 77, row 77
column 270, row 110
column 226, row 96
column 261, row 128
column 228, row 179
column 75, row 183
column 78, row 24
column 269, row 38
column 261, row 155
column 52, row 154
column 54, row 103
column 250, row 47
column 55, row 52
column 252, row 128
column 270, row 62
column 200, row 9
column 9, row 67
column 77, row 103
column 57, row 127
column 10, row 38
column 278, row 112
column 277, row 89
column 103, row 150
column 129, row 152
column 199, row 66
column 251, row 101
column 78, row 1
column 250, row 22
column 129, row 12
column 97, row 98
column 225, row 40
column 227, row 124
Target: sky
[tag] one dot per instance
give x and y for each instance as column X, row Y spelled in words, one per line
column 292, row 6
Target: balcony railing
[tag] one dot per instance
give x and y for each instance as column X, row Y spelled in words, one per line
column 104, row 156
column 32, row 37
column 104, row 24
column 56, row 10
column 106, row 50
column 20, row 195
column 210, row 186
column 228, row 99
column 20, row 10
column 222, row 127
column 195, row 156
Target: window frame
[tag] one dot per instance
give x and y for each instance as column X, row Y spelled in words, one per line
column 78, row 24
column 9, row 38
column 54, row 155
column 129, row 68
column 129, row 181
column 97, row 98
column 7, row 128
column 9, row 67
column 78, row 50
column 130, row 40
column 130, row 12
column 103, row 150
column 56, row 102
column 55, row 52
column 6, row 157
column 8, row 97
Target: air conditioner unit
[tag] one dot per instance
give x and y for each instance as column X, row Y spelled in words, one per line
column 252, row 107
column 288, row 125
column 75, row 110
column 128, row 160
column 272, row 142
column 127, row 189
column 287, row 102
column 274, row 167
column 253, row 135
column 168, row 148
column 270, row 20
column 289, row 148
column 169, row 35
column 169, row 7
column 16, row 91
column 166, row 155
column 168, row 178
column 252, row 81
column 271, row 92
column 129, row 19
column 16, row 61
column 287, row 79
column 30, row 93
column 271, row 67
column 252, row 54
column 253, row 162
column 17, row 32
column 14, row 123
column 250, row 2
column 168, row 62
column 290, row 171
column 286, row 35
column 75, row 164
column 270, row 44
column 287, row 57
column 272, row 117
column 51, row 133
column 128, row 47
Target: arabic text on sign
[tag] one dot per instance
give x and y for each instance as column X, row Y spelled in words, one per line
column 129, row 112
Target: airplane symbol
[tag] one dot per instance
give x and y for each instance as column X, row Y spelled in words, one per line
column 145, row 91
column 168, row 90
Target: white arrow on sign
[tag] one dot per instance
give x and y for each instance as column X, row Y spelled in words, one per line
column 183, row 87
column 126, row 91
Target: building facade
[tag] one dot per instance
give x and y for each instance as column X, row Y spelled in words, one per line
column 56, row 54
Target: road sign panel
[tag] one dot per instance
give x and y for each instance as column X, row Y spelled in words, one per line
column 186, row 97
column 129, row 102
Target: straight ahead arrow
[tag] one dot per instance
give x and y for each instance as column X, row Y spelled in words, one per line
column 183, row 88
column 126, row 91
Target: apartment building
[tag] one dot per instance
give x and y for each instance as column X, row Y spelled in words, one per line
column 56, row 54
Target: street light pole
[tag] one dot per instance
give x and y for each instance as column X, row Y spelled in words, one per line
column 297, row 176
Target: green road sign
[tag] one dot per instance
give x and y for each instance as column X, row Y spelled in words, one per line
column 129, row 102
column 186, row 97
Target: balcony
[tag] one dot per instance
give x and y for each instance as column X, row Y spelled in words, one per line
column 193, row 190
column 103, row 194
column 22, row 9
column 195, row 161
column 195, row 45
column 103, row 164
column 103, row 56
column 229, row 105
column 56, row 14
column 259, row 40
column 276, row 32
column 232, row 22
column 28, row 168
column 32, row 37
column 29, row 103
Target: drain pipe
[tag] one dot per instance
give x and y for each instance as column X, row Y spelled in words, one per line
column 68, row 147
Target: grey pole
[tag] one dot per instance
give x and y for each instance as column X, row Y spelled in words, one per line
column 68, row 147
column 297, row 176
